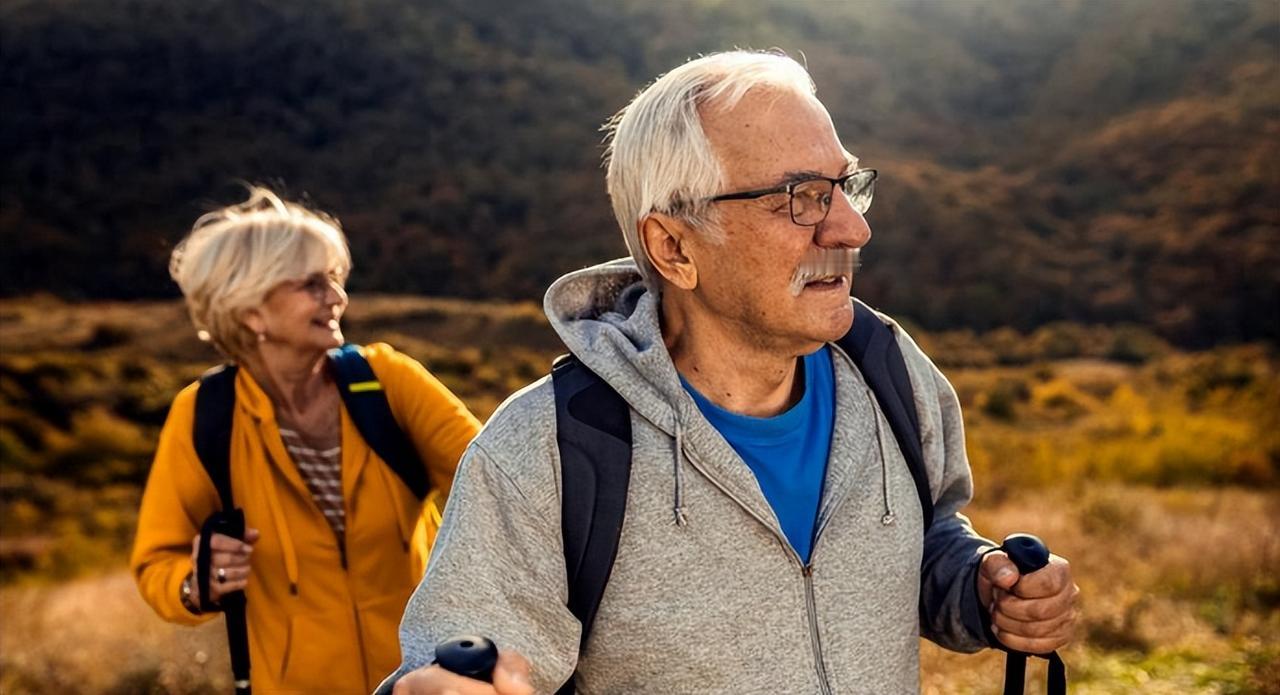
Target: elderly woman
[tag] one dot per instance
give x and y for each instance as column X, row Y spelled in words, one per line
column 333, row 541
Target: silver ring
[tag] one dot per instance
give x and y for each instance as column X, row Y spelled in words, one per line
column 222, row 575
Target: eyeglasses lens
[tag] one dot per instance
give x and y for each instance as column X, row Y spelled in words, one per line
column 811, row 200
column 859, row 190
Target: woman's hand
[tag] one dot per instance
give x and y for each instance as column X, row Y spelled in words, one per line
column 229, row 562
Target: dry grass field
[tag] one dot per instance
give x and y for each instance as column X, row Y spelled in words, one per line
column 1156, row 472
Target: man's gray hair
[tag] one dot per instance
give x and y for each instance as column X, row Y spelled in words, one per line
column 659, row 158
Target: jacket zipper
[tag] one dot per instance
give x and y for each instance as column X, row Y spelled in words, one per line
column 355, row 612
column 814, row 637
column 806, row 572
column 355, row 607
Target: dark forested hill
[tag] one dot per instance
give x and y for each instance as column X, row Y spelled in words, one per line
column 1075, row 160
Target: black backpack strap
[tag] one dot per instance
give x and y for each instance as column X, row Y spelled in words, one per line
column 367, row 405
column 593, row 432
column 215, row 403
column 211, row 434
column 874, row 349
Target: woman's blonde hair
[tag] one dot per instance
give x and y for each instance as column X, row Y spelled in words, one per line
column 234, row 256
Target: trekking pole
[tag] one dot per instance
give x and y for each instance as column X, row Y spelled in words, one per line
column 1029, row 554
column 228, row 523
column 468, row 655
column 237, row 625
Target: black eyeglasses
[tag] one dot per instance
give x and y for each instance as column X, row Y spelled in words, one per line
column 318, row 285
column 811, row 198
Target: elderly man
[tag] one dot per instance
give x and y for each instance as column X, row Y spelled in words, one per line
column 774, row 540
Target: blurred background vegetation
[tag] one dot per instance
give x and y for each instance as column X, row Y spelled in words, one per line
column 1077, row 217
column 1041, row 161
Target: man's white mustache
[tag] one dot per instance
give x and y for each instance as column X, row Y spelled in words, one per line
column 820, row 263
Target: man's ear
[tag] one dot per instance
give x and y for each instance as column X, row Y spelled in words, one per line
column 664, row 240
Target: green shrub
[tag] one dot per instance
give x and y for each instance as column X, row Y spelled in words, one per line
column 1135, row 345
column 108, row 335
column 1002, row 400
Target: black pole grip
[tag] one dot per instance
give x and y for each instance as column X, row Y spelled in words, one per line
column 1028, row 552
column 468, row 655
column 231, row 523
column 228, row 523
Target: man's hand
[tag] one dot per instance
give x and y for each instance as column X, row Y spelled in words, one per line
column 510, row 677
column 229, row 555
column 1035, row 613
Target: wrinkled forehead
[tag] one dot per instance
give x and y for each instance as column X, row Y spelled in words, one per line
column 772, row 134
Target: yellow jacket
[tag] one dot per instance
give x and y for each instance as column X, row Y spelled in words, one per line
column 313, row 625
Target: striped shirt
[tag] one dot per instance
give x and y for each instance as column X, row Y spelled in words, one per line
column 322, row 471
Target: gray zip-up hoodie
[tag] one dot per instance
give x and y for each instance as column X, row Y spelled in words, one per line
column 706, row 595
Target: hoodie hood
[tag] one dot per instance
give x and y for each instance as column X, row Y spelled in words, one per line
column 610, row 321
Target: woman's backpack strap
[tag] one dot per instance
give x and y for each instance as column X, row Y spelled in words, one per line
column 367, row 405
column 211, row 434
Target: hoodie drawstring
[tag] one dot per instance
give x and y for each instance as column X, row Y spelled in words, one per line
column 889, row 517
column 677, row 508
column 286, row 538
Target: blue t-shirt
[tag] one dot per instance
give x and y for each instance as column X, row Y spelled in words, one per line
column 787, row 452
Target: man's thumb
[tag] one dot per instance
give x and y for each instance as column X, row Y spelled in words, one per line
column 511, row 674
column 1000, row 571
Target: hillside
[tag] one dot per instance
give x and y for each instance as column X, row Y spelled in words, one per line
column 1084, row 161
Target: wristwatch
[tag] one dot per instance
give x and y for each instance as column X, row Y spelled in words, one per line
column 188, row 596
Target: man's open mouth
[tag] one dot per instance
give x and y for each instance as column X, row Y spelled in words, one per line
column 824, row 269
column 827, row 282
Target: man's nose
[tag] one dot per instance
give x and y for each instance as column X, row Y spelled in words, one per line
column 844, row 226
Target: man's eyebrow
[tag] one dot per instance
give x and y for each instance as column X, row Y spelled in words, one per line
column 799, row 175
column 796, row 176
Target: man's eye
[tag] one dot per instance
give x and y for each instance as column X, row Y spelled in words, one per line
column 805, row 193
